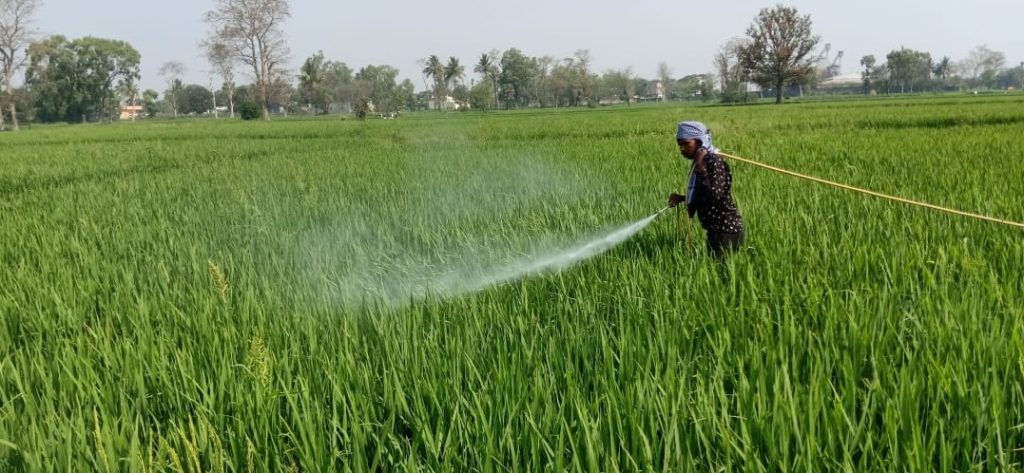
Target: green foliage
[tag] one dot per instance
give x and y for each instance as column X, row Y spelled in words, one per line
column 481, row 96
column 313, row 87
column 434, row 69
column 227, row 297
column 194, row 99
column 908, row 68
column 249, row 111
column 384, row 93
column 517, row 70
column 149, row 102
column 361, row 108
column 76, row 80
column 619, row 84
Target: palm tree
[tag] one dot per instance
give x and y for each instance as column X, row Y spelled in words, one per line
column 436, row 71
column 311, row 82
column 487, row 67
column 453, row 72
column 129, row 91
column 942, row 69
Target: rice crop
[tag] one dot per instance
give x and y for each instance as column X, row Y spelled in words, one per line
column 232, row 296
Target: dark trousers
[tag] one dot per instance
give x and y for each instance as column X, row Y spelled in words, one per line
column 719, row 243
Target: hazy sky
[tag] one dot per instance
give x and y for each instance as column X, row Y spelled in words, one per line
column 639, row 33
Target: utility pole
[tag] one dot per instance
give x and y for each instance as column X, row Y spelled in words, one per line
column 1022, row 75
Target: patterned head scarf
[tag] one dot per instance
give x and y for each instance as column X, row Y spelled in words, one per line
column 696, row 131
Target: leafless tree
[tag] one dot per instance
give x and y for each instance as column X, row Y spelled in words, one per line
column 15, row 36
column 251, row 29
column 582, row 60
column 220, row 57
column 731, row 74
column 982, row 64
column 665, row 76
column 172, row 72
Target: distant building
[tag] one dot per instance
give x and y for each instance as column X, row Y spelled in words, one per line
column 132, row 111
column 656, row 90
column 447, row 103
column 842, row 81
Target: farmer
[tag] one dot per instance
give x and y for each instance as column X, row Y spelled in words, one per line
column 709, row 189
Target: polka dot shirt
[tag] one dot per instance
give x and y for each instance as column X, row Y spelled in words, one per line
column 713, row 202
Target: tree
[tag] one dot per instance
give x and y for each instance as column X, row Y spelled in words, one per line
column 908, row 67
column 689, row 86
column 15, row 37
column 251, row 29
column 312, row 87
column 869, row 66
column 149, row 104
column 453, row 72
column 665, row 78
column 461, row 96
column 619, row 83
column 280, row 93
column 434, row 69
column 223, row 61
column 942, row 70
column 777, row 54
column 75, row 80
column 338, row 83
column 195, row 99
column 129, row 91
column 983, row 64
column 641, row 87
column 1011, row 78
column 731, row 74
column 405, row 94
column 385, row 95
column 517, row 70
column 172, row 71
column 480, row 96
column 545, row 85
column 487, row 67
column 583, row 79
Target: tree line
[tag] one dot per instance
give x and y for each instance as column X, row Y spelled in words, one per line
column 93, row 79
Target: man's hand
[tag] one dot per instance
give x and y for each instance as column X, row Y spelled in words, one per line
column 698, row 161
column 675, row 199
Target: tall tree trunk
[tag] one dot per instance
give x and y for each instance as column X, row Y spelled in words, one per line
column 778, row 91
column 265, row 99
column 10, row 101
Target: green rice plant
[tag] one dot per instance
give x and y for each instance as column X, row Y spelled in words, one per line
column 249, row 296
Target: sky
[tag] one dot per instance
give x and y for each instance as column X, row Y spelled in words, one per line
column 685, row 34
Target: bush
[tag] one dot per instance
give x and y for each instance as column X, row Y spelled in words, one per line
column 249, row 110
column 362, row 108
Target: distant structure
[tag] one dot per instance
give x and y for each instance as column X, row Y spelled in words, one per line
column 129, row 112
column 828, row 67
column 852, row 82
column 446, row 103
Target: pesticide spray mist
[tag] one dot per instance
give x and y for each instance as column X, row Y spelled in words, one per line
column 461, row 284
column 487, row 224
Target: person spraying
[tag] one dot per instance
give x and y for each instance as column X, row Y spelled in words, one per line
column 709, row 189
